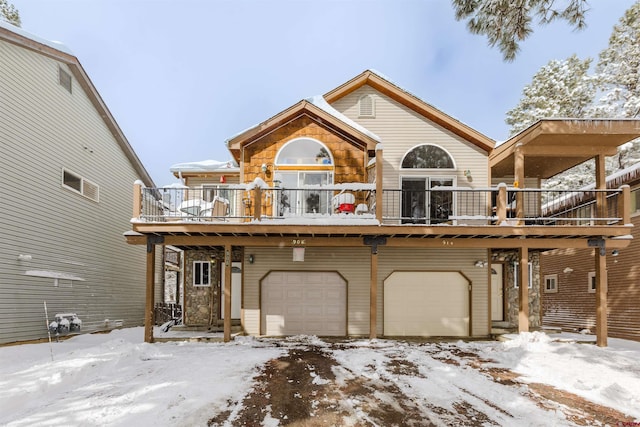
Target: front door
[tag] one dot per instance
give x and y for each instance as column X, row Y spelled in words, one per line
column 497, row 301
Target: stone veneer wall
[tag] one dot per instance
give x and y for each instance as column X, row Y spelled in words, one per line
column 201, row 302
column 512, row 293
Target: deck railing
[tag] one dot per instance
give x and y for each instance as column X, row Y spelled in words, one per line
column 499, row 205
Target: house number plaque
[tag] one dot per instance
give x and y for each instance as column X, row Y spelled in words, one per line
column 298, row 242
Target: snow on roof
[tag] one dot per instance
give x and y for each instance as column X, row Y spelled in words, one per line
column 320, row 102
column 205, row 166
column 52, row 44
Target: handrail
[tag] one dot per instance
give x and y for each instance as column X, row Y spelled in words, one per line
column 434, row 206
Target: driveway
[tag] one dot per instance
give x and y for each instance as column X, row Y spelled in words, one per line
column 395, row 383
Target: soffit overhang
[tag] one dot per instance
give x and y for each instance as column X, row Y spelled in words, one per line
column 552, row 146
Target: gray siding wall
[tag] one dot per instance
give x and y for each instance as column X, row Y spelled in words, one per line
column 43, row 129
column 354, row 265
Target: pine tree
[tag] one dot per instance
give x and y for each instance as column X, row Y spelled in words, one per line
column 508, row 22
column 9, row 13
column 559, row 89
column 618, row 75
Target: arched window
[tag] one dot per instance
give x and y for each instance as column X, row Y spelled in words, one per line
column 367, row 107
column 304, row 151
column 427, row 156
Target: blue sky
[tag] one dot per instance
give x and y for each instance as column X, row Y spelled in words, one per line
column 181, row 77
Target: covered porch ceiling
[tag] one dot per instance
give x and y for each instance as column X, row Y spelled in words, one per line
column 552, row 146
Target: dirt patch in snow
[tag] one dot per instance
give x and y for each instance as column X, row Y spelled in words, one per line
column 307, row 387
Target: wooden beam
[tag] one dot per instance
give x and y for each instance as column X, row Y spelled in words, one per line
column 601, row 298
column 567, row 151
column 523, row 283
column 373, row 295
column 440, row 243
column 228, row 268
column 150, row 293
column 624, row 204
column 501, row 203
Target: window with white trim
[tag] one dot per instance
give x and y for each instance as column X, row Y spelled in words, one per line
column 516, row 272
column 201, row 273
column 367, row 106
column 74, row 182
column 551, row 283
column 592, row 282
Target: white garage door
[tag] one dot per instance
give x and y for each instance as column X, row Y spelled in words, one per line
column 310, row 303
column 421, row 303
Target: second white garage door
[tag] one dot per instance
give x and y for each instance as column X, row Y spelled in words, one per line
column 426, row 303
column 310, row 303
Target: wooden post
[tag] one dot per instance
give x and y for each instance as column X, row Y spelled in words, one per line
column 624, row 204
column 601, row 298
column 257, row 207
column 523, row 283
column 601, row 184
column 137, row 199
column 519, row 182
column 149, row 300
column 501, row 203
column 227, row 292
column 379, row 177
column 373, row 295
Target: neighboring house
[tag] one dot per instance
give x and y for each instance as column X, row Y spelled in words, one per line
column 568, row 277
column 67, row 171
column 368, row 212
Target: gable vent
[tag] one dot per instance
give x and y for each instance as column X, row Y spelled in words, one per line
column 367, row 106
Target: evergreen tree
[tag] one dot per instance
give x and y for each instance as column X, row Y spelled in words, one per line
column 559, row 89
column 9, row 13
column 508, row 22
column 618, row 74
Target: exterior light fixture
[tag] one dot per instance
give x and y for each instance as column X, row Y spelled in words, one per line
column 264, row 168
column 615, row 252
column 467, row 173
column 251, row 259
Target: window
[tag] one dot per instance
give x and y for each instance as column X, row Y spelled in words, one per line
column 551, row 283
column 80, row 185
column 64, row 79
column 427, row 156
column 201, row 273
column 367, row 106
column 592, row 282
column 304, row 151
column 516, row 271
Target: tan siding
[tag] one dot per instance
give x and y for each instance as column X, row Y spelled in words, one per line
column 401, row 129
column 462, row 260
column 43, row 129
column 352, row 263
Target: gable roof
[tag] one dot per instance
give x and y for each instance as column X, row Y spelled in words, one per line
column 316, row 109
column 412, row 102
column 61, row 53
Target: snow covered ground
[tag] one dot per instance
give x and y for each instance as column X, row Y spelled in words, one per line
column 117, row 379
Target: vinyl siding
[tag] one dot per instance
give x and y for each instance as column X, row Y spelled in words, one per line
column 354, row 265
column 401, row 129
column 43, row 129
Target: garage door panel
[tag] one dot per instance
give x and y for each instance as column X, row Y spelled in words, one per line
column 426, row 304
column 311, row 303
